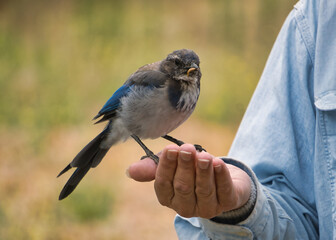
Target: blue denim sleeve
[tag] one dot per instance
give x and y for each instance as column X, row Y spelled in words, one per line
column 277, row 136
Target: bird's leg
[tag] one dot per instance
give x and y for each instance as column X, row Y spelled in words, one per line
column 174, row 140
column 148, row 152
column 179, row 142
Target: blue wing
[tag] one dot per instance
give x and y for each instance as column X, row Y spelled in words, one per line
column 146, row 79
column 109, row 109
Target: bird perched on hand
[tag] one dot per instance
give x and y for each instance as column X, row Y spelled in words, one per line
column 153, row 101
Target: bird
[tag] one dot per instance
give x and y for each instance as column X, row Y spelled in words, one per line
column 152, row 102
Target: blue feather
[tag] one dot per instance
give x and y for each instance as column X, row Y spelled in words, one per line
column 113, row 103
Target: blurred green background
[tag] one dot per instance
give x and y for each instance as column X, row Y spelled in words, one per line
column 61, row 60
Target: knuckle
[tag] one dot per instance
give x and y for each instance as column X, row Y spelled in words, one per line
column 204, row 192
column 183, row 188
column 161, row 183
column 164, row 191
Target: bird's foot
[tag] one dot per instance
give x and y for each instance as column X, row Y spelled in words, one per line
column 199, row 148
column 148, row 152
column 152, row 156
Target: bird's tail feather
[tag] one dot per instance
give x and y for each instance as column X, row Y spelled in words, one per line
column 73, row 181
column 90, row 156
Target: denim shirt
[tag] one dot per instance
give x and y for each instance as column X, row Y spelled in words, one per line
column 288, row 137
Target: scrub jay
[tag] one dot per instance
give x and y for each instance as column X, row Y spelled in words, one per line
column 153, row 101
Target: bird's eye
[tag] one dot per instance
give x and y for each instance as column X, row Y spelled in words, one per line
column 177, row 62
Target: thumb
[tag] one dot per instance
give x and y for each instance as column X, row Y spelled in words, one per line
column 142, row 171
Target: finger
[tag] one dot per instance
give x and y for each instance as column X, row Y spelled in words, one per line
column 205, row 186
column 224, row 185
column 184, row 200
column 142, row 171
column 165, row 175
column 241, row 183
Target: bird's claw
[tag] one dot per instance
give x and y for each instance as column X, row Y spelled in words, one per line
column 151, row 156
column 156, row 159
column 199, row 148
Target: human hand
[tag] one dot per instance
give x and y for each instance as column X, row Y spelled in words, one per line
column 194, row 184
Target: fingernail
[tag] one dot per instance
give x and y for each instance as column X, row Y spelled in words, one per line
column 186, row 156
column 127, row 173
column 172, row 154
column 218, row 168
column 203, row 163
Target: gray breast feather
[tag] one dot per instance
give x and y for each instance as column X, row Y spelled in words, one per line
column 157, row 116
column 188, row 99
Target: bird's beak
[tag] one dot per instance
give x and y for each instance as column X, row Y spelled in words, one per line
column 193, row 68
column 190, row 70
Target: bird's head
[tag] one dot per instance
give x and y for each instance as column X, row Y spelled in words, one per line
column 182, row 65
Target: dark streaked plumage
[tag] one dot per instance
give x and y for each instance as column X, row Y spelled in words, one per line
column 153, row 101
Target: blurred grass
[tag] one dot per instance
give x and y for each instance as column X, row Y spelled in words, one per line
column 61, row 60
column 90, row 204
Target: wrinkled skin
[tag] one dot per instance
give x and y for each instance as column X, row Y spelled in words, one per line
column 194, row 184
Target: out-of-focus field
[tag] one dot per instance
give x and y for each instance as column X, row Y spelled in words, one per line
column 60, row 60
column 106, row 205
